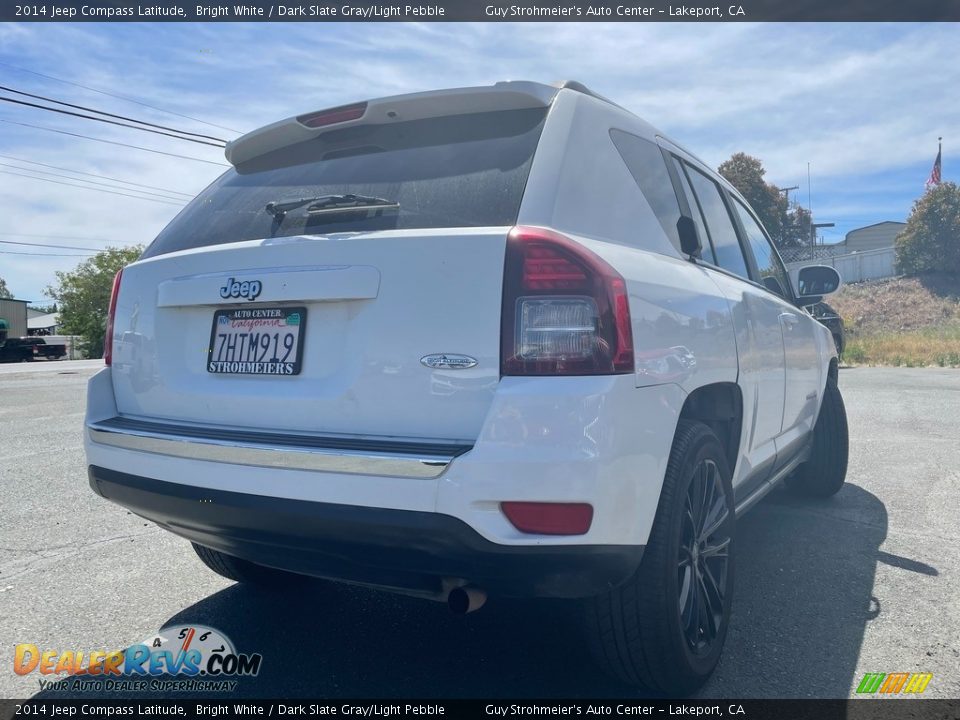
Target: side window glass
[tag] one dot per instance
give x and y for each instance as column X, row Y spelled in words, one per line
column 726, row 246
column 707, row 249
column 772, row 273
column 645, row 163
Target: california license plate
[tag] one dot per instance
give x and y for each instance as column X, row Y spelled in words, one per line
column 257, row 341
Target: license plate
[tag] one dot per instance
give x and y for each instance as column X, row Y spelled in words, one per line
column 257, row 341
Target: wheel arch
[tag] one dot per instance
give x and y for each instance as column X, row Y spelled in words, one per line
column 720, row 407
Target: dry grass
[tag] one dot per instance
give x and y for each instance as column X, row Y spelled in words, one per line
column 913, row 322
column 938, row 346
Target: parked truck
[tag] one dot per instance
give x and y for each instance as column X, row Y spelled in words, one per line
column 27, row 349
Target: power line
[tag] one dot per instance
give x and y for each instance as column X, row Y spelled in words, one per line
column 110, row 122
column 92, row 182
column 12, row 252
column 108, row 114
column 55, row 237
column 102, row 177
column 86, row 187
column 112, row 142
column 119, row 97
column 47, row 245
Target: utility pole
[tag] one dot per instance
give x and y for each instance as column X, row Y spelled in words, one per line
column 786, row 192
column 813, row 230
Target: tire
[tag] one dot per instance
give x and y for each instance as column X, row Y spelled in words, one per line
column 824, row 473
column 244, row 571
column 643, row 631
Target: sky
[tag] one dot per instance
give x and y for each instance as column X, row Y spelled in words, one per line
column 863, row 104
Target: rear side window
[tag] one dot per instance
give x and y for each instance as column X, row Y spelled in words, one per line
column 645, row 162
column 706, row 250
column 723, row 235
column 456, row 171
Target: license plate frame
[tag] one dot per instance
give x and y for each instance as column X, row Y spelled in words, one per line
column 275, row 360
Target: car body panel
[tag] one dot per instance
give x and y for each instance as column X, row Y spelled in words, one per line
column 376, row 303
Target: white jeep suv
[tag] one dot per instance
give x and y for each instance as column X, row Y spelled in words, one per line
column 502, row 340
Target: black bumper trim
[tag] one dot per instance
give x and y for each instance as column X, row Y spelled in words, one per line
column 399, row 549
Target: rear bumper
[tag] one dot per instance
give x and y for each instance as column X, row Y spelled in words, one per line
column 399, row 549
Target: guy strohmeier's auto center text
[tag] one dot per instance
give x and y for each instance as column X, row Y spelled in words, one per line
column 592, row 12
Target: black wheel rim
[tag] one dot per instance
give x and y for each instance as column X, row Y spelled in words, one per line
column 704, row 558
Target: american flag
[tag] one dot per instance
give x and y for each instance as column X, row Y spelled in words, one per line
column 934, row 179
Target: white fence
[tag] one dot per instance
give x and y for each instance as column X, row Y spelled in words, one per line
column 854, row 267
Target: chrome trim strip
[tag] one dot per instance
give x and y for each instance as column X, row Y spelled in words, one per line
column 420, row 465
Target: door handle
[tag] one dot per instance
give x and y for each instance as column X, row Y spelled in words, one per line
column 789, row 318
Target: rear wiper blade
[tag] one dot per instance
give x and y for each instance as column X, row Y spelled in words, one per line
column 331, row 203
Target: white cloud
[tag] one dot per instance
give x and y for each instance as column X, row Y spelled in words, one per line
column 862, row 103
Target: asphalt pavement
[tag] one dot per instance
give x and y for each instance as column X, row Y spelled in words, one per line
column 868, row 581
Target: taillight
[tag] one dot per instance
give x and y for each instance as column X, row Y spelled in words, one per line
column 565, row 310
column 333, row 115
column 108, row 338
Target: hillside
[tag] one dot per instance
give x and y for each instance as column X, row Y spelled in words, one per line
column 902, row 321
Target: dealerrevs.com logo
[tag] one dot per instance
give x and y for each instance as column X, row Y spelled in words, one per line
column 187, row 658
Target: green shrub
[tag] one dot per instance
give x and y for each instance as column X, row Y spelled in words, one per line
column 931, row 240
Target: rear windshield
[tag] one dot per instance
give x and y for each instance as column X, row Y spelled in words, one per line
column 456, row 171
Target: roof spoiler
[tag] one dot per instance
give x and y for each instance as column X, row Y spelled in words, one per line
column 415, row 106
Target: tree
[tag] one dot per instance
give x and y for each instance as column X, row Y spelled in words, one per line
column 4, row 292
column 931, row 240
column 796, row 228
column 83, row 296
column 746, row 173
column 789, row 228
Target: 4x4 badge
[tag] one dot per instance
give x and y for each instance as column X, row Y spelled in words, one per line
column 444, row 361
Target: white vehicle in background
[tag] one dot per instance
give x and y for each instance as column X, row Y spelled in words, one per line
column 502, row 340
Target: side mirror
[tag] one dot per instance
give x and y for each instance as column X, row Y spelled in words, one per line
column 689, row 237
column 815, row 281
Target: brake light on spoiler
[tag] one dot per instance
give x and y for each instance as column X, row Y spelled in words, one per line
column 333, row 115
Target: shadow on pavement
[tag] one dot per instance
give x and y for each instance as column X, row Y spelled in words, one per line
column 804, row 596
column 805, row 573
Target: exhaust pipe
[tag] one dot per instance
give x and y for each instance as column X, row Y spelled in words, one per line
column 465, row 599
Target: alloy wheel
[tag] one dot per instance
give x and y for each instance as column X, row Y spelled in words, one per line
column 704, row 558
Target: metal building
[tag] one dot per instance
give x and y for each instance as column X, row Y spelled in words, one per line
column 13, row 318
column 873, row 237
